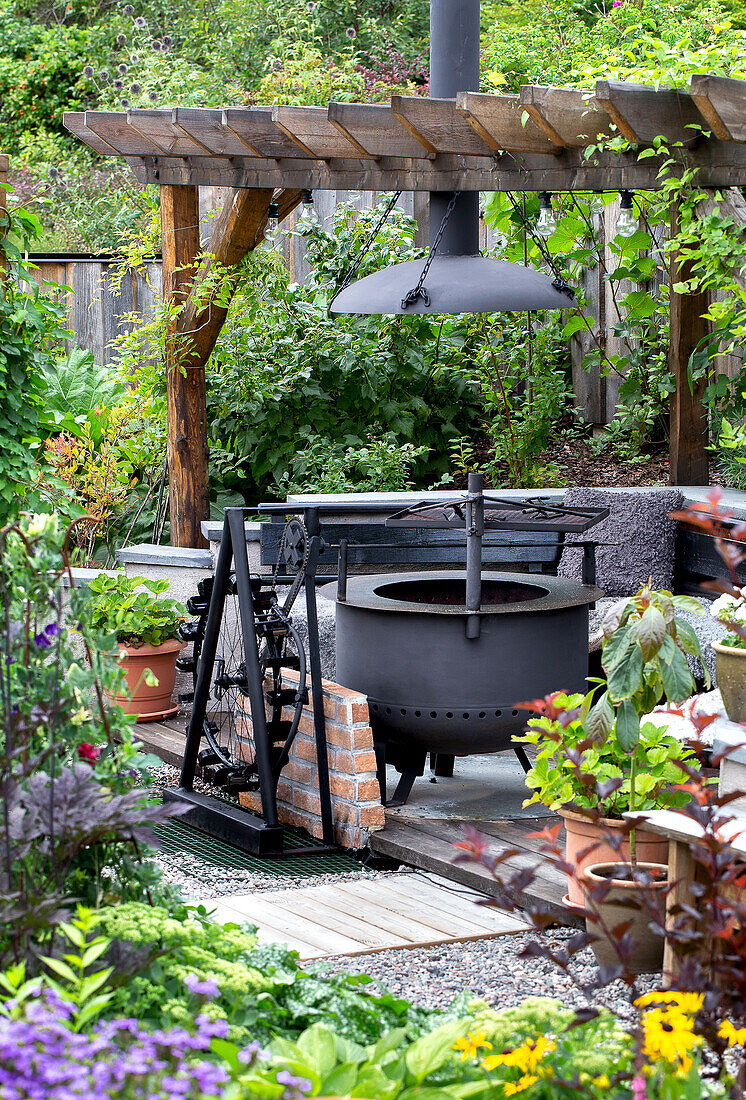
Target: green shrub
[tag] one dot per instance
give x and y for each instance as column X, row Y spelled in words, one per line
column 135, row 617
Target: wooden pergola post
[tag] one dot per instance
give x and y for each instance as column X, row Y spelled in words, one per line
column 187, row 451
column 688, row 455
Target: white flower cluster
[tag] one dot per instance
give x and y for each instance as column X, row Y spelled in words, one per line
column 730, row 608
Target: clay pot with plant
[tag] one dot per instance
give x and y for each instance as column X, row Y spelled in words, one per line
column 144, row 624
column 597, row 761
column 729, row 608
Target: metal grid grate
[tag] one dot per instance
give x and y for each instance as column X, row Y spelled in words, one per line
column 176, row 838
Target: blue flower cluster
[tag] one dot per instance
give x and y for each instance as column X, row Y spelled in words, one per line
column 43, row 1058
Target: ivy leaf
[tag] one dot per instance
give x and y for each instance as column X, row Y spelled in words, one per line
column 649, row 631
column 627, row 726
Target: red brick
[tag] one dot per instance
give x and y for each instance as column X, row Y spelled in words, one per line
column 306, row 723
column 330, row 707
column 344, row 762
column 345, row 812
column 346, row 837
column 339, row 736
column 372, row 815
column 344, row 710
column 362, row 737
column 296, row 772
column 365, row 762
column 304, row 749
column 368, row 790
column 360, row 713
column 305, row 800
column 341, row 786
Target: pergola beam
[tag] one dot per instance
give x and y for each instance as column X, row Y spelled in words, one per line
column 569, row 117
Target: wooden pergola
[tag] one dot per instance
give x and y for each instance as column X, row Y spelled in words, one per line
column 535, row 141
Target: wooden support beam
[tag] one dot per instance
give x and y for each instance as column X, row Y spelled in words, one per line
column 112, row 127
column 568, row 116
column 158, row 127
column 498, row 121
column 373, row 127
column 205, row 126
column 187, row 451
column 722, row 103
column 438, row 126
column 643, row 112
column 688, row 455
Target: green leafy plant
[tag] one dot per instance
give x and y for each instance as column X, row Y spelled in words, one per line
column 381, row 466
column 119, row 607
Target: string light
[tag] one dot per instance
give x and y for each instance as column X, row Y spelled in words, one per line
column 626, row 223
column 272, row 230
column 546, row 224
column 308, row 214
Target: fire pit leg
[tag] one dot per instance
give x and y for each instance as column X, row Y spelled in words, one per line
column 523, row 759
column 410, row 765
column 442, row 764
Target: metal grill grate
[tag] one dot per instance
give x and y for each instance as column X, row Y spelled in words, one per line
column 177, row 839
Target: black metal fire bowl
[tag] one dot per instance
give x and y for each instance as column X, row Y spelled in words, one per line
column 401, row 639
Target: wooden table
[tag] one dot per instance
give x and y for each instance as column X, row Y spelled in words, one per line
column 682, row 832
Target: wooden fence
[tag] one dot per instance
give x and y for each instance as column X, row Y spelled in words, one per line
column 97, row 312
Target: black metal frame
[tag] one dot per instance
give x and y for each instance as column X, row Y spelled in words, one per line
column 261, row 835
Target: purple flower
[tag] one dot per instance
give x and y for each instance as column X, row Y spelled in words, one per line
column 294, row 1086
column 44, row 640
column 207, row 988
column 253, row 1053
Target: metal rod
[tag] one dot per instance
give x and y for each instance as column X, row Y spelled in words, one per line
column 267, row 786
column 342, row 571
column 317, row 688
column 474, row 532
column 207, row 660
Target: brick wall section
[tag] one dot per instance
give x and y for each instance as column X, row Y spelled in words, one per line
column 356, row 797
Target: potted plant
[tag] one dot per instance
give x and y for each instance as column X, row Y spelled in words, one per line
column 145, row 625
column 729, row 608
column 596, row 760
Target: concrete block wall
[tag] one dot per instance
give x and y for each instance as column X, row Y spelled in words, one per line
column 355, row 793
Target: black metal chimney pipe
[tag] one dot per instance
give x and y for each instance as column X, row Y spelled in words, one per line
column 454, row 67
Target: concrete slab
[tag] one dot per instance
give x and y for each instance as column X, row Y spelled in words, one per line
column 487, row 787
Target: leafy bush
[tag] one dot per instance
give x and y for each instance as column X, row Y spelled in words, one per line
column 135, row 617
column 382, row 466
column 285, row 376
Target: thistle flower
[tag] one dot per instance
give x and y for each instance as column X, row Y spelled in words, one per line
column 124, row 103
column 117, row 85
column 168, row 40
column 135, row 89
column 122, row 69
column 134, row 58
column 121, row 39
column 351, row 32
column 104, row 76
column 155, row 44
column 53, row 174
column 153, row 97
column 311, row 6
column 128, row 9
column 88, row 70
column 140, row 22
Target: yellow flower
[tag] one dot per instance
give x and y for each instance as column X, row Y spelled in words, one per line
column 685, row 1002
column 526, row 1057
column 510, row 1088
column 601, row 1082
column 736, row 1037
column 669, row 1035
column 471, row 1044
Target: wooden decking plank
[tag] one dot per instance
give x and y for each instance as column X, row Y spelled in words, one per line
column 165, row 741
column 321, row 907
column 384, row 922
column 390, row 904
column 223, row 914
column 269, row 914
column 462, row 916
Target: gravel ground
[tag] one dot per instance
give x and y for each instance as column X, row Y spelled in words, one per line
column 491, row 969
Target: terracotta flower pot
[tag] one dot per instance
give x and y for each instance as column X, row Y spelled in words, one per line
column 730, row 669
column 580, row 833
column 612, row 912
column 150, row 704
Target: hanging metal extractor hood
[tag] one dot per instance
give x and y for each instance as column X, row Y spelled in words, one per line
column 458, row 280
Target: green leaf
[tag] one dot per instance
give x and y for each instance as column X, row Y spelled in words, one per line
column 600, row 720
column 430, row 1052
column 615, row 649
column 678, row 682
column 318, row 1044
column 649, row 631
column 625, row 676
column 60, row 968
column 341, row 1081
column 688, row 603
column 627, row 726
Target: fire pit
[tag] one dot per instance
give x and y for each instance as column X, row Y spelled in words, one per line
column 444, row 656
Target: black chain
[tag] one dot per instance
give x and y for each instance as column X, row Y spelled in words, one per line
column 368, row 242
column 558, row 282
column 420, row 291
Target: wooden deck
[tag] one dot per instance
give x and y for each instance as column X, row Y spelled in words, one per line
column 427, row 842
column 404, row 910
column 423, row 841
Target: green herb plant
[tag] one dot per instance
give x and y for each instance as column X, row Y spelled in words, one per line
column 119, row 606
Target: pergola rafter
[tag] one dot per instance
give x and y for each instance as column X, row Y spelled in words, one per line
column 536, row 141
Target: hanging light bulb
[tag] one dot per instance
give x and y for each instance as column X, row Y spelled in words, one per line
column 626, row 223
column 272, row 231
column 308, row 215
column 546, row 224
